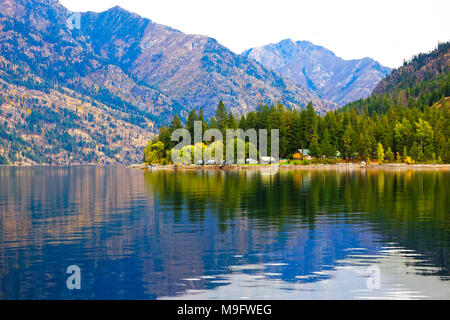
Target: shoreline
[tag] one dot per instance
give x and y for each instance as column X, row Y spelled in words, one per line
column 338, row 166
column 236, row 167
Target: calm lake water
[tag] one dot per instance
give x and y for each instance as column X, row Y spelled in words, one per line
column 354, row 234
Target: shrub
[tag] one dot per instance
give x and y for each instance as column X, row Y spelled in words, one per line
column 408, row 160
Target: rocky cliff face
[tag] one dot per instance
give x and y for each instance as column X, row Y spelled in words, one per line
column 320, row 70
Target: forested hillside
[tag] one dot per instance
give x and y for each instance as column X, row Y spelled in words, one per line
column 406, row 120
column 419, row 83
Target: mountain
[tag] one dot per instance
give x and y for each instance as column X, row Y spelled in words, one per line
column 123, row 72
column 194, row 71
column 320, row 70
column 422, row 67
column 422, row 82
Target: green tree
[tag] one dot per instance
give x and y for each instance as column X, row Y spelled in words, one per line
column 389, row 154
column 191, row 118
column 326, row 147
column 424, row 132
column 380, row 152
column 232, row 122
column 174, row 125
column 154, row 152
column 347, row 141
column 415, row 151
column 364, row 144
column 164, row 136
column 201, row 118
column 314, row 148
column 310, row 123
column 221, row 117
column 402, row 135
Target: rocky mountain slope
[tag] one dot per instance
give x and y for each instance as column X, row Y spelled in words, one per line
column 422, row 67
column 151, row 66
column 60, row 126
column 194, row 71
column 422, row 82
column 320, row 70
column 138, row 72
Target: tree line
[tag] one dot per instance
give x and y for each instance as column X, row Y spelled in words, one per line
column 400, row 134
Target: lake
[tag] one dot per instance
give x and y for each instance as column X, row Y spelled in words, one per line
column 249, row 234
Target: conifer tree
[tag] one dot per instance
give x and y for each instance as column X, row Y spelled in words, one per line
column 192, row 117
column 380, row 153
column 232, row 123
column 389, row 154
column 221, row 117
column 202, row 119
column 347, row 141
column 314, row 148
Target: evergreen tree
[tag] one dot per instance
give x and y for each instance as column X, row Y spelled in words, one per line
column 192, row 117
column 380, row 153
column 424, row 132
column 212, row 123
column 347, row 141
column 164, row 136
column 414, row 152
column 232, row 123
column 364, row 144
column 174, row 125
column 302, row 134
column 221, row 117
column 314, row 148
column 310, row 124
column 389, row 155
column 202, row 119
column 326, row 147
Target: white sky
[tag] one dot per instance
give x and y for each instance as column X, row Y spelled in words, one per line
column 386, row 30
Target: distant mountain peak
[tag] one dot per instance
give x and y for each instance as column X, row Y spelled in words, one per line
column 320, row 70
column 119, row 10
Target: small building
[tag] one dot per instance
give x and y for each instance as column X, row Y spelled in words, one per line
column 304, row 154
column 338, row 155
column 267, row 160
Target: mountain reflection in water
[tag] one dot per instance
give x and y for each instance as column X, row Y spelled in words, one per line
column 226, row 235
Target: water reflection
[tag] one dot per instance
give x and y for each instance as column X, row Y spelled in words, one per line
column 400, row 279
column 217, row 234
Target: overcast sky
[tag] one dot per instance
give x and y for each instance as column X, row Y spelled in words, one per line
column 386, row 30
